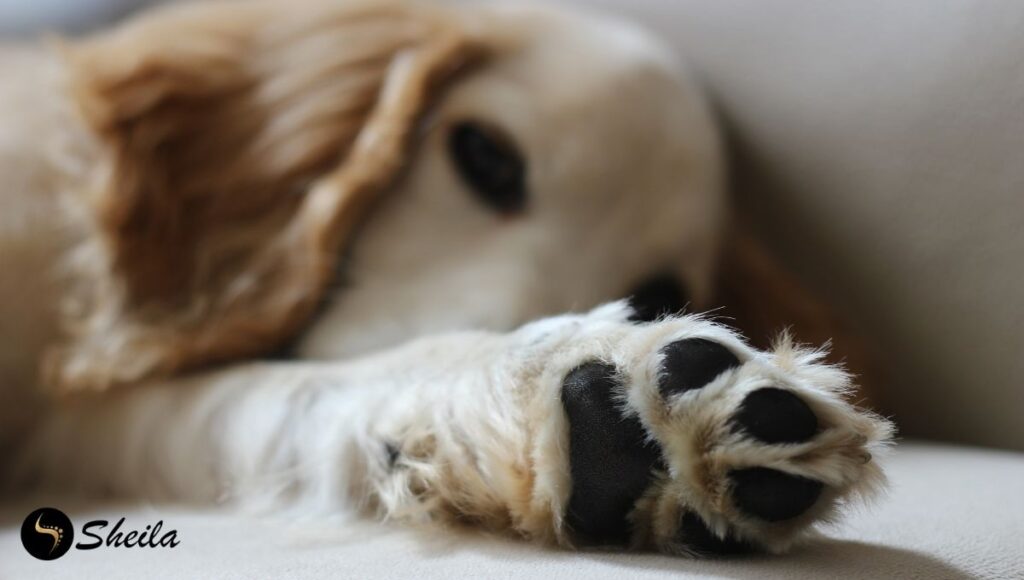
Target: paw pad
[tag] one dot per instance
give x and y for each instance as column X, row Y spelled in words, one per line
column 692, row 363
column 610, row 459
column 772, row 495
column 773, row 416
column 696, row 536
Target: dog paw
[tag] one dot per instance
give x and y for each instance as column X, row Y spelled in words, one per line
column 681, row 437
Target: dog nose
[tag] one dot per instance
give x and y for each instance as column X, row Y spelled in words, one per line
column 772, row 495
column 773, row 415
column 660, row 295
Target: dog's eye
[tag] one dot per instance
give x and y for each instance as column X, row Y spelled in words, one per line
column 490, row 164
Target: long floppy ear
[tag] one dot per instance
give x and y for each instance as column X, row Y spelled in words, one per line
column 241, row 144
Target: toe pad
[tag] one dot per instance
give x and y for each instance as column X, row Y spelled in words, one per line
column 773, row 415
column 772, row 495
column 695, row 535
column 692, row 363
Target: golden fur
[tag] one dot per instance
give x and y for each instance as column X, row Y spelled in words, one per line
column 241, row 145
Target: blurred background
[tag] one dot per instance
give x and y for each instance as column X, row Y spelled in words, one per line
column 879, row 149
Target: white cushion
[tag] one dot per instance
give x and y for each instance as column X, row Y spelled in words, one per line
column 952, row 512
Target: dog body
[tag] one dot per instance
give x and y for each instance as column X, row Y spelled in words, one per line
column 215, row 183
column 34, row 233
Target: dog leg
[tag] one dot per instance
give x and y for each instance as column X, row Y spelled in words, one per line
column 576, row 429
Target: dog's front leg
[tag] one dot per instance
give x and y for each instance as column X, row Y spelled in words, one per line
column 408, row 433
column 580, row 428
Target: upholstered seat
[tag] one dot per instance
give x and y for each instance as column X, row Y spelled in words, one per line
column 952, row 513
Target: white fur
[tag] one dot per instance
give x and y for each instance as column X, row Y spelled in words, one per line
column 476, row 420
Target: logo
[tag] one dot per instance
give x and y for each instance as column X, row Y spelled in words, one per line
column 47, row 533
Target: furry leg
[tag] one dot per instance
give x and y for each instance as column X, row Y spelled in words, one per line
column 499, row 430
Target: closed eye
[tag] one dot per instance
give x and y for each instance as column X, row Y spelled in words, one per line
column 490, row 164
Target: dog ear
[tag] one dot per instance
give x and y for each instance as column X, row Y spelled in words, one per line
column 242, row 142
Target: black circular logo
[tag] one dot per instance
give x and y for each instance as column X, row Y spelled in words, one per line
column 47, row 533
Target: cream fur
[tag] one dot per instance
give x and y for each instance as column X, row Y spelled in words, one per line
column 625, row 180
column 476, row 421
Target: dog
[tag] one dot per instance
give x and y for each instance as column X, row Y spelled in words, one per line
column 366, row 257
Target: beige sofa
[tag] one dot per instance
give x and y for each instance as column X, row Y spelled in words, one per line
column 952, row 513
column 882, row 145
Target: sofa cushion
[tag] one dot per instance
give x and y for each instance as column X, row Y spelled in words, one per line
column 952, row 512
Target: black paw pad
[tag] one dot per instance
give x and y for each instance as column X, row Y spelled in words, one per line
column 773, row 495
column 696, row 536
column 774, row 415
column 610, row 460
column 692, row 363
column 659, row 296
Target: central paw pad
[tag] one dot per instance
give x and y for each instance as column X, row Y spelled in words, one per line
column 610, row 457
